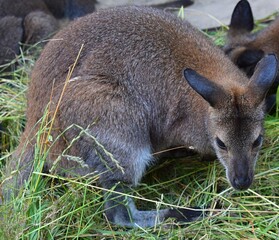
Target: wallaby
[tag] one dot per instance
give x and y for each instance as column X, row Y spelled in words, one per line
column 144, row 81
column 246, row 48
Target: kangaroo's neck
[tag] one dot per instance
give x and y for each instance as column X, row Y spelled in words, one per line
column 184, row 124
column 191, row 129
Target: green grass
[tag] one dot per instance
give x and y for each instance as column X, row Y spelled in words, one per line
column 52, row 207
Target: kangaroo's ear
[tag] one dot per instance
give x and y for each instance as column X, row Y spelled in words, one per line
column 214, row 94
column 262, row 79
column 242, row 17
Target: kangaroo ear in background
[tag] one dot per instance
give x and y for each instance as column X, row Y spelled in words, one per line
column 242, row 17
column 215, row 95
column 263, row 78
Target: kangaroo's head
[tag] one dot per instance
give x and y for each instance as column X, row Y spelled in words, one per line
column 235, row 119
column 241, row 44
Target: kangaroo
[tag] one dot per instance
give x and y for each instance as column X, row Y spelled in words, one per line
column 246, row 48
column 144, row 81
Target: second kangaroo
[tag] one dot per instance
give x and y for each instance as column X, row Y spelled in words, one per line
column 144, row 81
column 245, row 48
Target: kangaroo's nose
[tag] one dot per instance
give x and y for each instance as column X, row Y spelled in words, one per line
column 241, row 174
column 242, row 183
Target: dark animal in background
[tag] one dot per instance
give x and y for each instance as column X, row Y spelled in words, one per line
column 145, row 81
column 11, row 33
column 23, row 21
column 245, row 48
column 29, row 21
column 70, row 8
column 21, row 8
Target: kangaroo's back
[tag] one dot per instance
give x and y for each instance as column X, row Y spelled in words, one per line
column 134, row 47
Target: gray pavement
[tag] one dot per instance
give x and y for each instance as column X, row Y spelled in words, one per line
column 213, row 13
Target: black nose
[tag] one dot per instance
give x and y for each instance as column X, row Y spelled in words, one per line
column 241, row 183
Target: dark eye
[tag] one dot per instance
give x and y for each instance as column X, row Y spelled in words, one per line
column 258, row 141
column 220, row 144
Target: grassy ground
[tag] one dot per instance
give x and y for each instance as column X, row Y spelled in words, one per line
column 51, row 207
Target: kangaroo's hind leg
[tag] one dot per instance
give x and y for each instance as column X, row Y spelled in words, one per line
column 121, row 210
column 17, row 171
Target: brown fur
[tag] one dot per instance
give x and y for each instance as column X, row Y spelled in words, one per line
column 145, row 81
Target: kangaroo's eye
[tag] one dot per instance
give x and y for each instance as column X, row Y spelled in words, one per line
column 220, row 144
column 258, row 141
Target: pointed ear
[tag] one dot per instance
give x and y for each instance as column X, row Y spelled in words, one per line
column 263, row 78
column 242, row 17
column 214, row 94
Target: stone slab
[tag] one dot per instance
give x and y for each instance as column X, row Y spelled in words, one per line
column 206, row 14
